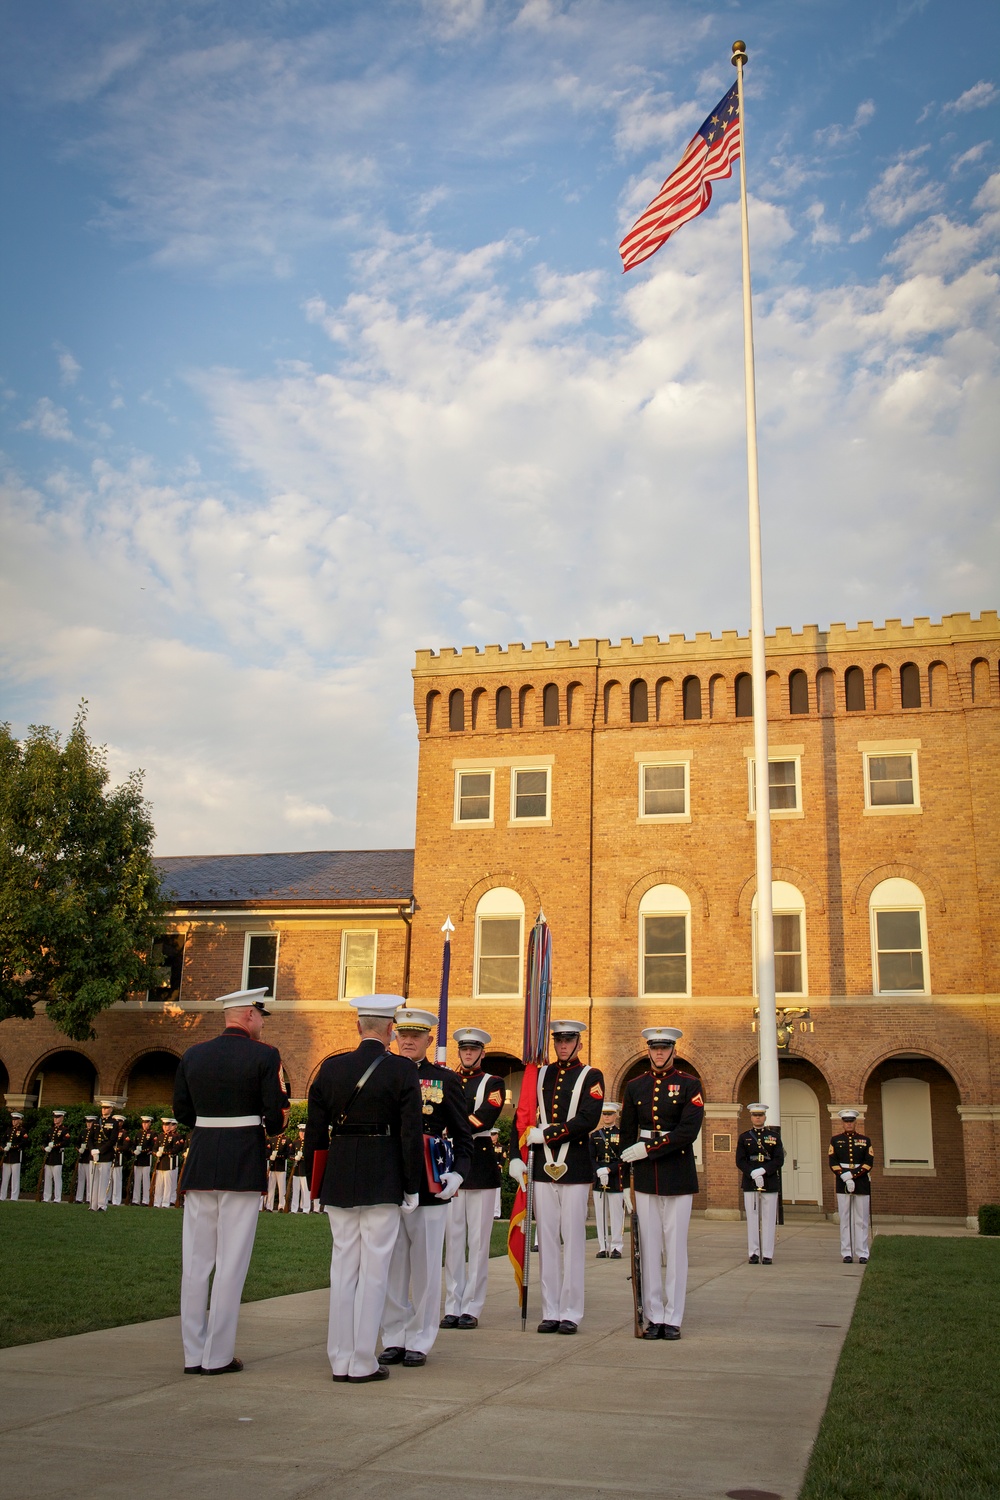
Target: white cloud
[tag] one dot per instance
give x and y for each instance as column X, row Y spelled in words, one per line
column 903, row 191
column 835, row 136
column 979, row 96
column 49, row 421
column 69, row 368
column 971, row 157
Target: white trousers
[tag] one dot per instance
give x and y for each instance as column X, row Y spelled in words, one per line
column 768, row 1219
column 165, row 1188
column 561, row 1215
column 140, row 1185
column 497, row 1205
column 300, row 1195
column 10, row 1181
column 100, row 1185
column 363, row 1243
column 275, row 1196
column 218, row 1234
column 609, row 1209
column 861, row 1208
column 413, row 1294
column 470, row 1217
column 52, row 1191
column 663, row 1238
column 83, row 1182
column 116, row 1186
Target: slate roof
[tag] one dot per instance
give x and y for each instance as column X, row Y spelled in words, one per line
column 346, row 876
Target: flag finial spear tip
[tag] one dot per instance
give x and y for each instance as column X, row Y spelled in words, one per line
column 739, row 53
column 449, row 925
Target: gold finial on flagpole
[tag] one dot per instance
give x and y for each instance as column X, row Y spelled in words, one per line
column 739, row 54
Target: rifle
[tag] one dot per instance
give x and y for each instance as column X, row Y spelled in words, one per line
column 636, row 1277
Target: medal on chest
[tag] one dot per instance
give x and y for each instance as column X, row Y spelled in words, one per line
column 431, row 1093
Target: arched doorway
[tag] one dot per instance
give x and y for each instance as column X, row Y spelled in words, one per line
column 802, row 1177
column 911, row 1114
column 65, row 1077
column 4, row 1079
column 511, row 1070
column 151, row 1080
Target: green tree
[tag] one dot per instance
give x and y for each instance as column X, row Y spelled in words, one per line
column 80, row 898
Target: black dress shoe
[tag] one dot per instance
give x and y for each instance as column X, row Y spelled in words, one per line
column 412, row 1358
column 615, row 1255
column 193, row 1370
column 549, row 1325
column 862, row 1260
column 753, row 1260
column 340, row 1379
column 468, row 1321
column 653, row 1331
column 230, row 1369
column 380, row 1374
column 391, row 1356
column 765, row 1260
column 601, row 1255
column 567, row 1326
column 848, row 1260
column 670, row 1331
column 450, row 1320
column 534, row 1249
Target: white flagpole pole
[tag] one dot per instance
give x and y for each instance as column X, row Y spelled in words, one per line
column 767, row 1028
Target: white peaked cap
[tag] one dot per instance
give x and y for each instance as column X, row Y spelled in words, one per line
column 661, row 1034
column 145, row 1117
column 381, row 1007
column 609, row 1106
column 16, row 1114
column 757, row 1109
column 408, row 1019
column 848, row 1114
column 58, row 1111
column 244, row 998
column 118, row 1117
column 168, row 1120
column 578, row 1026
column 471, row 1036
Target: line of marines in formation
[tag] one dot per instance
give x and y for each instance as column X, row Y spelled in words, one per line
column 398, row 1151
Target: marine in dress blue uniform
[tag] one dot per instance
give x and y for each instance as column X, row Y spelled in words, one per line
column 851, row 1156
column 300, row 1201
column 144, row 1147
column 662, row 1113
column 104, row 1147
column 14, row 1149
column 470, row 1214
column 609, row 1183
column 232, row 1091
column 760, row 1156
column 55, row 1148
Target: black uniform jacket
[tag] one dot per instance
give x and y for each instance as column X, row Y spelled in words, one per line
column 231, row 1075
column 557, row 1091
column 59, row 1138
column 444, row 1112
column 377, row 1155
column 278, row 1153
column 145, row 1146
column 855, row 1153
column 485, row 1170
column 606, row 1148
column 670, row 1105
column 297, row 1157
column 760, row 1148
column 105, row 1140
column 16, row 1144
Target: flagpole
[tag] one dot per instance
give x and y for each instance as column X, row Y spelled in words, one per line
column 767, row 1027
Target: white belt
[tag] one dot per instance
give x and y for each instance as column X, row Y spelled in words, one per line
column 226, row 1122
column 647, row 1135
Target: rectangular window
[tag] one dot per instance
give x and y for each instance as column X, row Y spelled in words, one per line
column 529, row 795
column 260, row 961
column 899, row 951
column 907, row 1131
column 891, row 781
column 782, row 784
column 499, row 956
column 168, row 956
column 357, row 964
column 473, row 797
column 663, row 791
column 788, row 953
column 664, row 955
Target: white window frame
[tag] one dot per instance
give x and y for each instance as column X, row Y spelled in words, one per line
column 457, row 820
column 268, row 933
column 776, row 755
column 887, row 903
column 485, row 908
column 900, row 1165
column 658, row 764
column 676, row 908
column 878, row 750
column 348, row 933
column 782, row 905
column 542, row 822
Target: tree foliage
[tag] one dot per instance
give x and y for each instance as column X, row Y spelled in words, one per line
column 79, row 895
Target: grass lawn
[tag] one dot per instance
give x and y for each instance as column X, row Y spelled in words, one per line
column 914, row 1413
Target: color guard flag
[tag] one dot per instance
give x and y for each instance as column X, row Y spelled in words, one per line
column 687, row 191
column 518, row 1230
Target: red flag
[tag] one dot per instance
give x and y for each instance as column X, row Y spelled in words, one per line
column 687, row 191
column 525, row 1117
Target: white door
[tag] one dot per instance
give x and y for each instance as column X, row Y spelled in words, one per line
column 800, row 1132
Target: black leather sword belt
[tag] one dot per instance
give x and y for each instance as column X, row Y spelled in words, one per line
column 361, row 1130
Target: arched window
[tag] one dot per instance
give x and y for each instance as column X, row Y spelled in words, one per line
column 664, row 942
column 499, row 934
column 854, row 690
column 526, row 707
column 907, row 1133
column 980, row 680
column 638, row 702
column 550, row 705
column 909, row 685
column 456, row 709
column 478, row 707
column 692, row 697
column 937, row 684
column 826, row 701
column 504, row 718
column 899, row 939
column 432, row 711
column 574, row 703
column 882, row 689
column 744, row 695
column 716, row 696
column 789, row 910
column 612, row 703
column 772, row 683
column 798, row 693
column 664, row 700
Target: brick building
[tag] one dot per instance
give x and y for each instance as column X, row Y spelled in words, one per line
column 609, row 786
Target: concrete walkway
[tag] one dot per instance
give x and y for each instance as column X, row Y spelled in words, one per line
column 494, row 1412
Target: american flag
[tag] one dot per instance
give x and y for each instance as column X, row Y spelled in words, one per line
column 687, row 191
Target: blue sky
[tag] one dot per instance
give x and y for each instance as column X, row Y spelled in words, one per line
column 317, row 351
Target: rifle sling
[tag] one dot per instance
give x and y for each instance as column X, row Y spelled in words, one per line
column 342, row 1118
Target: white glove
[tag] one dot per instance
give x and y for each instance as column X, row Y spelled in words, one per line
column 410, row 1202
column 627, row 1200
column 758, row 1176
column 536, row 1136
column 95, row 1156
column 850, row 1185
column 517, row 1170
column 847, row 1176
column 450, row 1184
column 602, row 1176
column 638, row 1152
